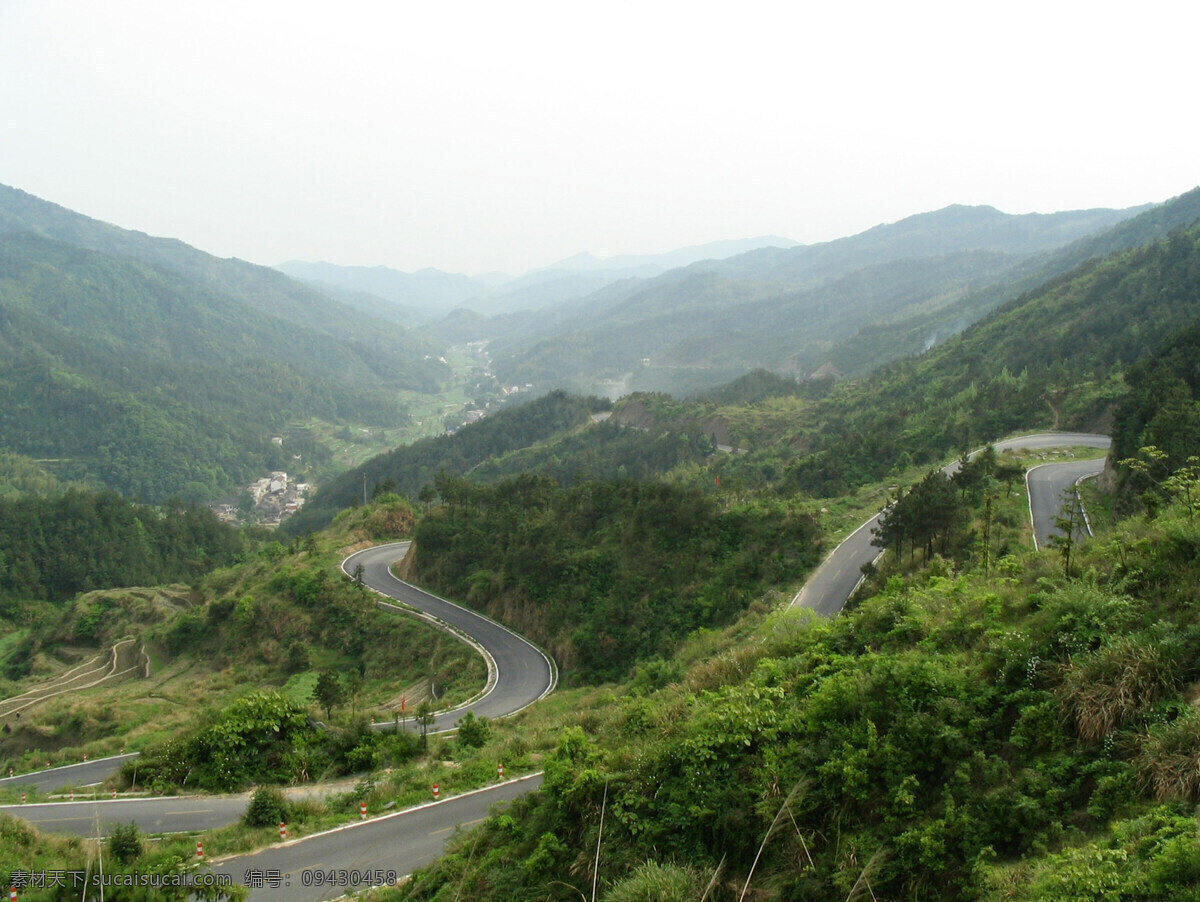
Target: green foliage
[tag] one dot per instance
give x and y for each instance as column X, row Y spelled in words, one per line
column 709, row 323
column 1011, row 371
column 954, row 729
column 156, row 370
column 329, row 691
column 125, row 843
column 655, row 882
column 756, row 386
column 245, row 743
column 1154, row 857
column 991, row 738
column 267, row 807
column 473, row 732
column 166, row 865
column 54, row 548
column 605, row 574
column 1151, row 470
column 926, row 517
column 605, row 451
column 1168, row 761
column 415, row 466
column 23, row 475
column 424, row 718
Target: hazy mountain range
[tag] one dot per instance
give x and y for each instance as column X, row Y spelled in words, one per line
column 696, row 317
column 149, row 366
column 430, row 293
column 788, row 309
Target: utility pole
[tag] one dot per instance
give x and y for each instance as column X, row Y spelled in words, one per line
column 364, row 489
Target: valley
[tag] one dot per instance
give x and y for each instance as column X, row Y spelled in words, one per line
column 999, row 697
column 419, row 844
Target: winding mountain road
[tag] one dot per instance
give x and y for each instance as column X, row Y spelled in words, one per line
column 1048, row 487
column 833, row 582
column 519, row 674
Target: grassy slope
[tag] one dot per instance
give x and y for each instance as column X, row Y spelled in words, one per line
column 240, row 629
column 954, row 736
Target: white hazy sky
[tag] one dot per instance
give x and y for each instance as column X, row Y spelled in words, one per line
column 477, row 136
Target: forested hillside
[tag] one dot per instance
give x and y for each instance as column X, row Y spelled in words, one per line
column 885, row 340
column 234, row 639
column 1009, row 372
column 1050, row 359
column 984, row 723
column 1054, row 358
column 162, row 379
column 258, row 288
column 699, row 326
column 54, row 548
column 411, row 468
column 1161, row 407
column 1021, row 735
column 606, row 574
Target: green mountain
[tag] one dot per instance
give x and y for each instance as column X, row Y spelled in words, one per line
column 411, row 468
column 712, row 321
column 980, row 725
column 156, row 370
column 1054, row 358
column 887, row 339
column 986, row 723
column 1009, row 371
column 430, row 293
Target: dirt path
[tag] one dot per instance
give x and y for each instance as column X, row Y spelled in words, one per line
column 126, row 657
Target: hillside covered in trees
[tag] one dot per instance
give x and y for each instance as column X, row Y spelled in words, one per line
column 981, row 723
column 607, row 574
column 54, row 548
column 155, row 370
column 412, row 468
column 704, row 324
column 1019, row 735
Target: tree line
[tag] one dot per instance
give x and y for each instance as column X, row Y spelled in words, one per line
column 54, row 548
column 605, row 574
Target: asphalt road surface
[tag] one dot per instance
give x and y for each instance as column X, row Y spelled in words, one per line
column 1051, row 488
column 169, row 814
column 376, row 851
column 86, row 773
column 835, row 579
column 520, row 673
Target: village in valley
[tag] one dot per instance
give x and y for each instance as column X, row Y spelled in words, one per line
column 477, row 393
column 267, row 501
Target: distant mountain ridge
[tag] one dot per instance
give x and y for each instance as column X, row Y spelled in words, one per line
column 424, row 292
column 903, row 336
column 784, row 309
column 1053, row 358
column 684, row 256
column 430, row 293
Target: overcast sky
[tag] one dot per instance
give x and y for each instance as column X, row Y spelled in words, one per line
column 504, row 136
